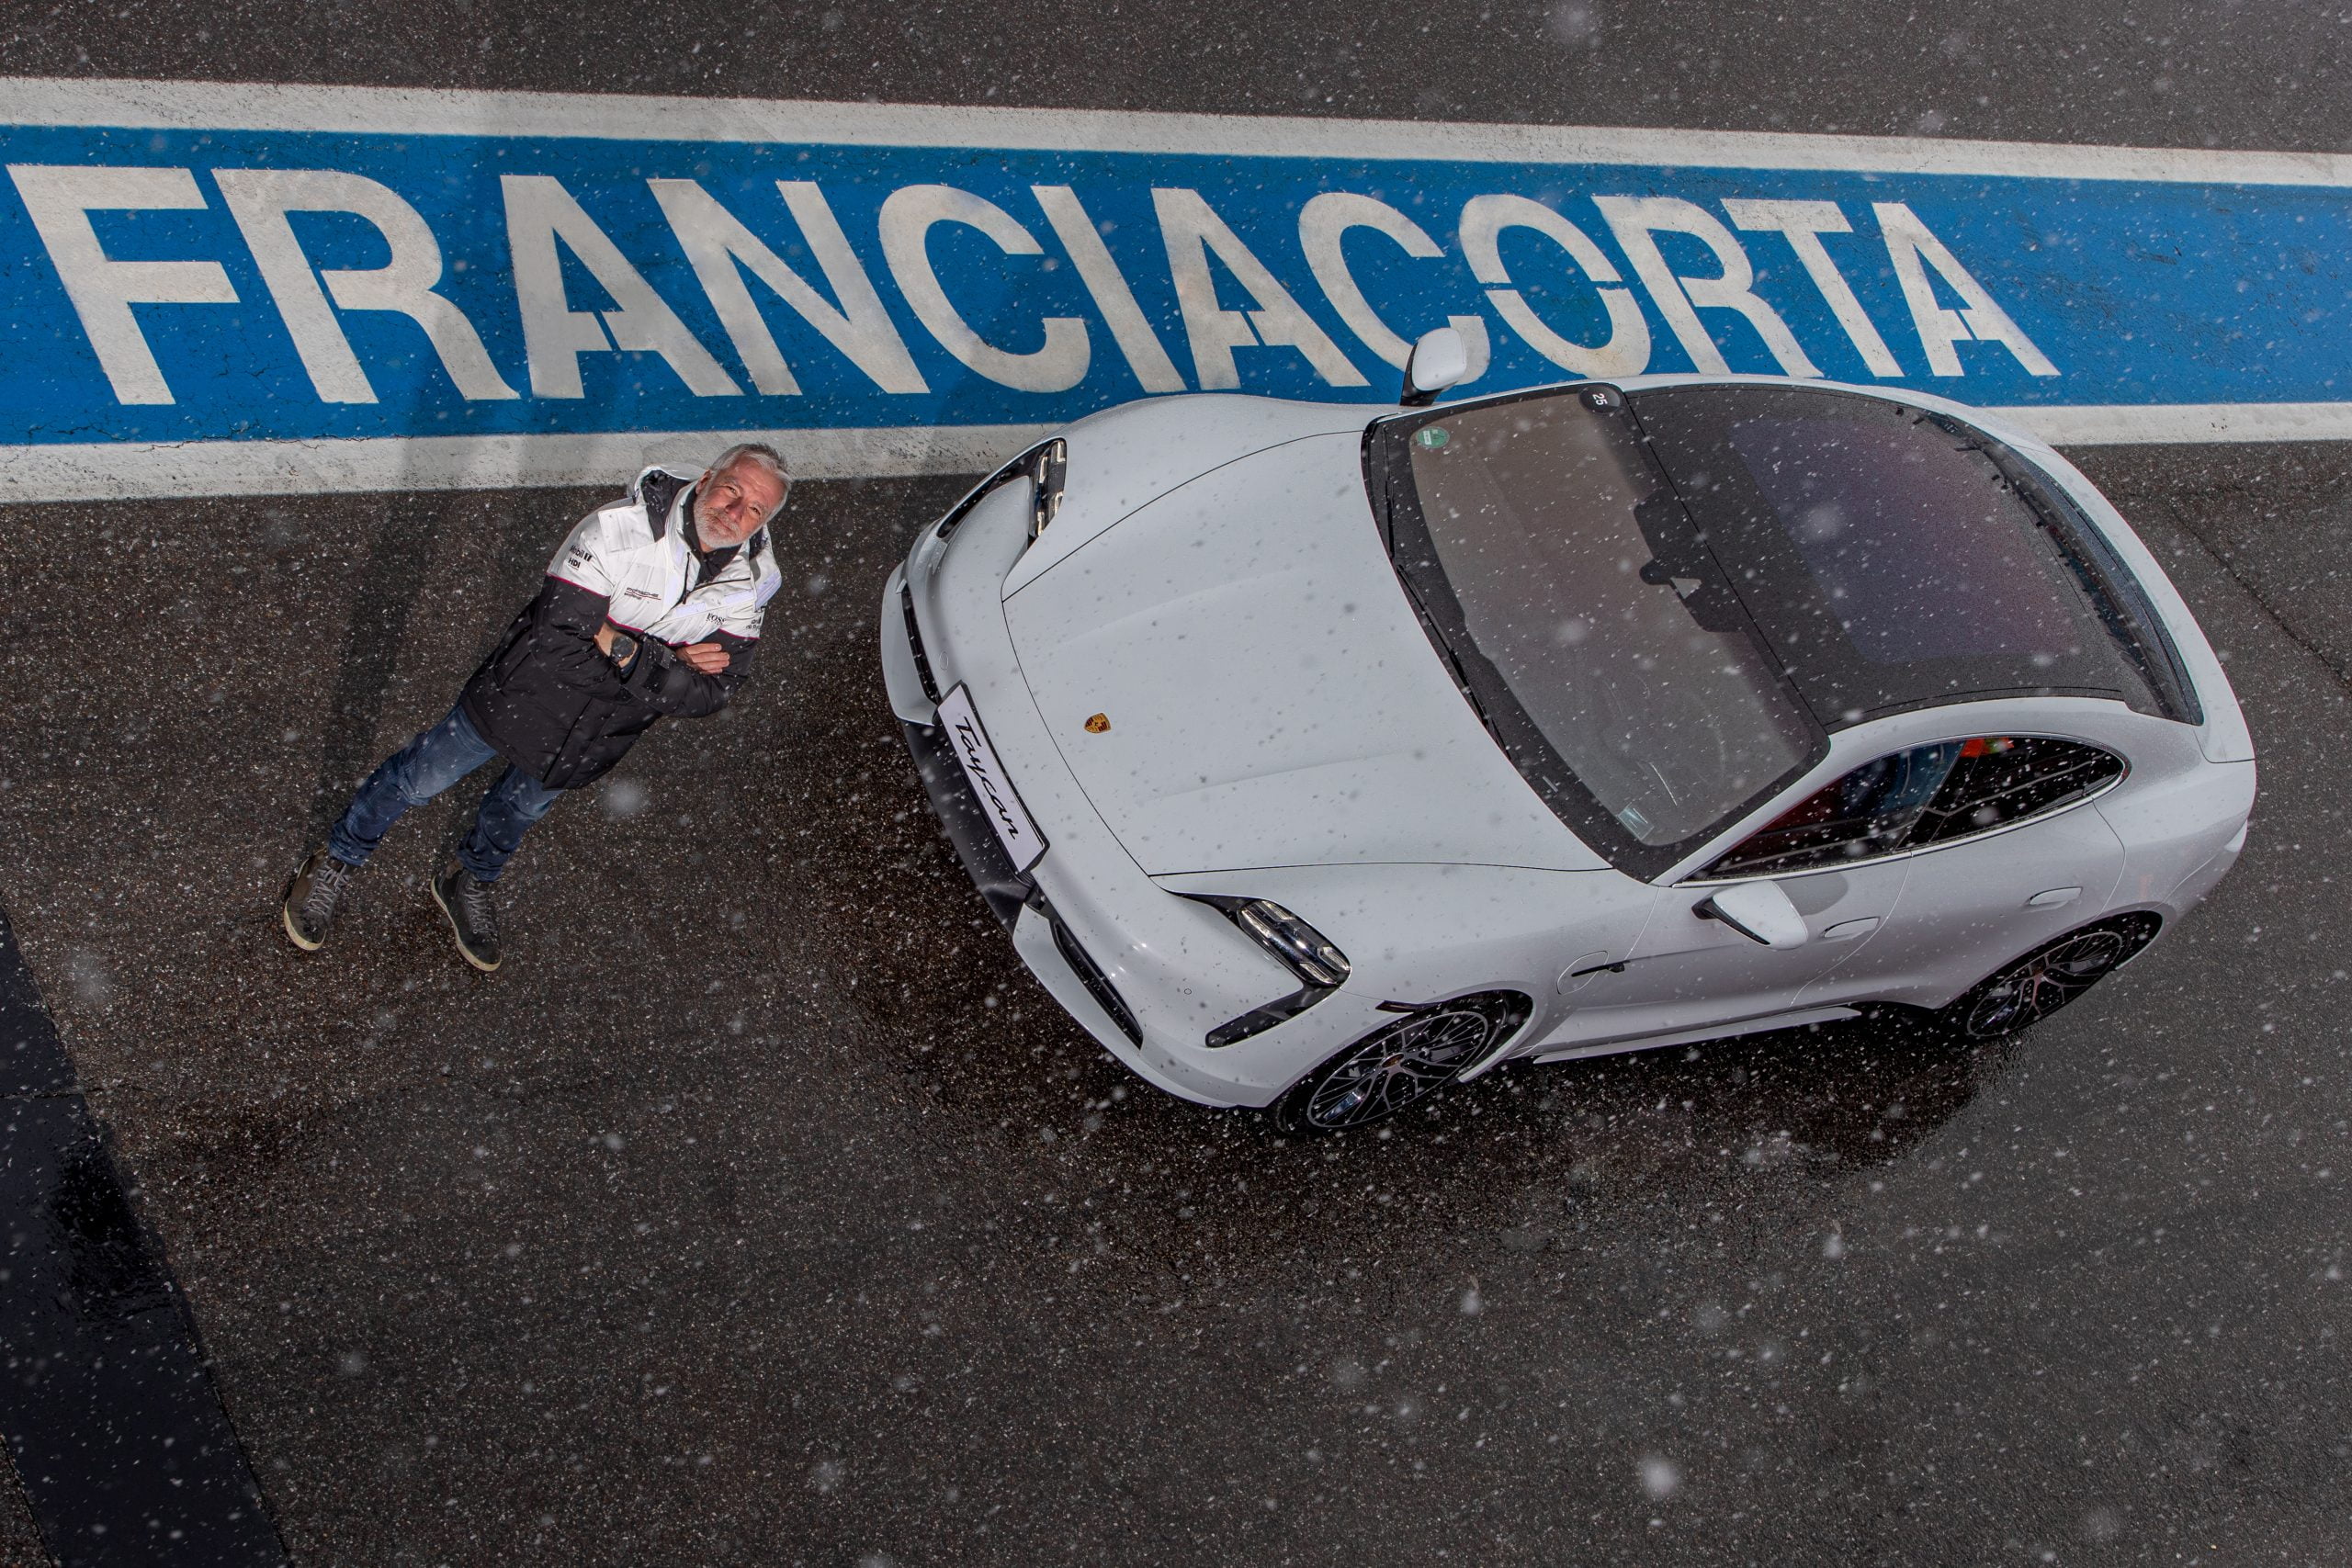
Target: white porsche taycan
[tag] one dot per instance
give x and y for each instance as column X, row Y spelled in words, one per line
column 1317, row 757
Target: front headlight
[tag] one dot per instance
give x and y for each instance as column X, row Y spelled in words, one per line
column 1048, row 466
column 1307, row 952
column 1044, row 466
column 1309, row 955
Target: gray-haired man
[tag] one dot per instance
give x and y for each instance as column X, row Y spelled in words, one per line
column 652, row 606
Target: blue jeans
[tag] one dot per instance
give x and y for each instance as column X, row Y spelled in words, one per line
column 437, row 759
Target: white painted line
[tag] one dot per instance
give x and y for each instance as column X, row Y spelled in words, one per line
column 2183, row 425
column 129, row 469
column 408, row 111
column 118, row 471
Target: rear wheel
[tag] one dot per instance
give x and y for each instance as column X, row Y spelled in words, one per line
column 2027, row 990
column 1400, row 1066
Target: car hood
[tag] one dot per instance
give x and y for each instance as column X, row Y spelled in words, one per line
column 1266, row 694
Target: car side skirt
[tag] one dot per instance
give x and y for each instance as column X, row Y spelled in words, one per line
column 1797, row 1019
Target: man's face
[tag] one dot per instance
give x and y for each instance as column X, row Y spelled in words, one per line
column 730, row 506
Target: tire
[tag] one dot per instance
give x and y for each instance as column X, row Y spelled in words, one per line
column 2024, row 992
column 1398, row 1066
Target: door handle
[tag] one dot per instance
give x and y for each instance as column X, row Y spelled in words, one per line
column 2054, row 898
column 1577, row 975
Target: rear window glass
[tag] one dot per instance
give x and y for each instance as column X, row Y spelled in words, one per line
column 1917, row 553
column 1894, row 560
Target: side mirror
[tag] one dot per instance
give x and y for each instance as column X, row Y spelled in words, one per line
column 1759, row 911
column 1439, row 360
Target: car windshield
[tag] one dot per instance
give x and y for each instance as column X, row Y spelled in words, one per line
column 1588, row 622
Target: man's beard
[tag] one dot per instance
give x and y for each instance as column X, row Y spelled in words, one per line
column 701, row 519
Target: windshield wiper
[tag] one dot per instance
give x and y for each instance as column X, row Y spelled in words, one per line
column 1438, row 639
column 1461, row 679
column 1454, row 661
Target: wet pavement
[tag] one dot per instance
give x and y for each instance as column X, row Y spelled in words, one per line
column 761, row 1211
column 2244, row 73
column 113, row 1427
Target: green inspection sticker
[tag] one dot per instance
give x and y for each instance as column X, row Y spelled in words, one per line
column 1432, row 436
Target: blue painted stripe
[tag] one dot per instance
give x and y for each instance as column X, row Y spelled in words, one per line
column 2123, row 291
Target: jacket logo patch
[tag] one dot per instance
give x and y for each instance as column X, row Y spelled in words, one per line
column 638, row 594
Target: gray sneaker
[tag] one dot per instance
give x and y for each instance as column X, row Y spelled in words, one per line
column 311, row 901
column 471, row 914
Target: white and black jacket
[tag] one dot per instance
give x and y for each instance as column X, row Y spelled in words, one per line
column 561, row 710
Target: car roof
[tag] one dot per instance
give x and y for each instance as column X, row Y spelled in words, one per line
column 1894, row 555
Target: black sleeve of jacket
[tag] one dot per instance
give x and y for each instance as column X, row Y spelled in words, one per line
column 567, row 618
column 669, row 684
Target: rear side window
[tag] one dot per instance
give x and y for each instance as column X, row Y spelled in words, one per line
column 1921, row 797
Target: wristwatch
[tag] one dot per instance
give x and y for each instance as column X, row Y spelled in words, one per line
column 623, row 652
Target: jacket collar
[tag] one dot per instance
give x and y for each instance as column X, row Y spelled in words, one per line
column 666, row 496
column 661, row 493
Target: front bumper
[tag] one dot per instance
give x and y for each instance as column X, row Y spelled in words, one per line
column 1013, row 896
column 1144, row 971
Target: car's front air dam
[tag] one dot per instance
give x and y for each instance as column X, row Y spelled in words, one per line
column 966, row 823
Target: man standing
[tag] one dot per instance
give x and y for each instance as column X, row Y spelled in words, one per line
column 652, row 606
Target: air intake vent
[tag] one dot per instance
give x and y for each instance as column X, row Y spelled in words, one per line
column 1098, row 985
column 914, row 641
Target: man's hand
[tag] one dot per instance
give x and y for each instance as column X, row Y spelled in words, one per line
column 708, row 658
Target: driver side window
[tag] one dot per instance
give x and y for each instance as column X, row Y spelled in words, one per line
column 1928, row 795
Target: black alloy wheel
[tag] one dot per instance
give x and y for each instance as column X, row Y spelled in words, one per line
column 1398, row 1066
column 2025, row 992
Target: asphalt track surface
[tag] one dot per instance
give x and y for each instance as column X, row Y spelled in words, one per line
column 761, row 1211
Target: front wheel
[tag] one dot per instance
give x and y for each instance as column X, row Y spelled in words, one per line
column 1398, row 1066
column 2024, row 992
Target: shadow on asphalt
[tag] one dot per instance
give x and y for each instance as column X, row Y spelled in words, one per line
column 983, row 1043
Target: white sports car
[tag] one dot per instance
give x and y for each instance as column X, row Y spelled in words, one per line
column 1318, row 757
